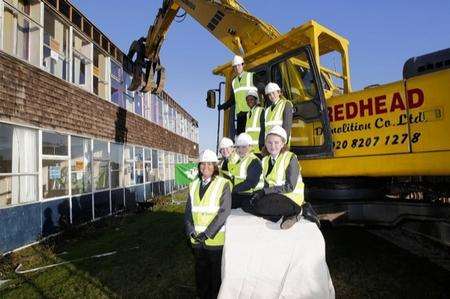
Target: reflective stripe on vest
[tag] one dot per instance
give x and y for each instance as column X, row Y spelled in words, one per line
column 277, row 177
column 205, row 209
column 240, row 90
column 240, row 172
column 253, row 127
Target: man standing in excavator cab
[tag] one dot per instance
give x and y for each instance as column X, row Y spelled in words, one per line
column 241, row 84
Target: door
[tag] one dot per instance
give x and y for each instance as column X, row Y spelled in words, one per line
column 297, row 75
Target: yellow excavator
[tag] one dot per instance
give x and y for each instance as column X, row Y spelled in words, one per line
column 379, row 156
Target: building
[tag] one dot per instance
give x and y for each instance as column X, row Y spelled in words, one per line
column 75, row 145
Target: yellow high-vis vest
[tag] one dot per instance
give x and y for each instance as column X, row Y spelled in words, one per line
column 205, row 209
column 274, row 117
column 240, row 172
column 240, row 90
column 253, row 127
column 277, row 177
column 232, row 161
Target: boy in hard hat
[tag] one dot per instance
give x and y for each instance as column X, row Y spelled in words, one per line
column 246, row 174
column 254, row 125
column 207, row 208
column 241, row 85
column 280, row 111
column 230, row 158
column 283, row 192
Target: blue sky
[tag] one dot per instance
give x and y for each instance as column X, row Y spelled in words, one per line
column 383, row 34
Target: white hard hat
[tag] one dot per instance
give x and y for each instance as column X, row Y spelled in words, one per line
column 243, row 140
column 225, row 142
column 277, row 130
column 253, row 93
column 272, row 87
column 208, row 156
column 237, row 60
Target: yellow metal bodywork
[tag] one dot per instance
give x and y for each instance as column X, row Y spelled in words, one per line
column 397, row 129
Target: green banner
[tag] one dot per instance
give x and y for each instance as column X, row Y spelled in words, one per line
column 185, row 173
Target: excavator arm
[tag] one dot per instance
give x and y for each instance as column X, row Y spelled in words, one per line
column 227, row 20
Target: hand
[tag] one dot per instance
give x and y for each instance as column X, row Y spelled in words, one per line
column 201, row 237
column 257, row 195
column 193, row 235
column 220, row 107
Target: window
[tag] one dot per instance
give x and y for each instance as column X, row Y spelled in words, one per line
column 154, row 109
column 139, row 164
column 138, row 102
column 166, row 166
column 178, row 123
column 80, row 163
column 128, row 95
column 160, row 166
column 18, row 165
column 129, row 165
column 147, row 106
column 160, row 112
column 100, row 84
column 21, row 32
column 101, row 165
column 55, row 165
column 149, row 174
column 116, row 84
column 155, row 163
column 166, row 123
column 81, row 62
column 56, row 45
column 116, row 165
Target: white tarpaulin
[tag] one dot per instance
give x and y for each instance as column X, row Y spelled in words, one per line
column 260, row 260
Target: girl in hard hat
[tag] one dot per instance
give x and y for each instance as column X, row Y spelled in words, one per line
column 247, row 173
column 279, row 112
column 283, row 192
column 230, row 158
column 241, row 84
column 207, row 208
column 255, row 122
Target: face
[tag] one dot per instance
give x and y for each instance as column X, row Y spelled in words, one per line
column 274, row 96
column 226, row 152
column 206, row 169
column 274, row 144
column 238, row 69
column 243, row 151
column 251, row 101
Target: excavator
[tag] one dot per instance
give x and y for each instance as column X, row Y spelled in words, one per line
column 377, row 156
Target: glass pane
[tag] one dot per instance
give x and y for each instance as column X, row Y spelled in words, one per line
column 138, row 103
column 81, row 165
column 54, row 178
column 18, row 189
column 54, row 144
column 18, row 149
column 56, row 40
column 116, row 165
column 298, row 84
column 295, row 78
column 139, row 164
column 101, row 165
column 129, row 166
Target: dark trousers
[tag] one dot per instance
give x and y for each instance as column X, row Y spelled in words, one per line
column 239, row 200
column 208, row 272
column 273, row 206
column 241, row 118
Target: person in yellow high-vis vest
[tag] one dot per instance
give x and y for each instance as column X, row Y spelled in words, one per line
column 283, row 192
column 254, row 125
column 230, row 158
column 247, row 174
column 241, row 85
column 207, row 208
column 279, row 112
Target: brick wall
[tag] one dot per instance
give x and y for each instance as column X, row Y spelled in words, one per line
column 29, row 95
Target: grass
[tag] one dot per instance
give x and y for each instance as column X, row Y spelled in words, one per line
column 154, row 261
